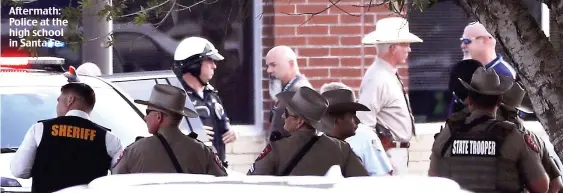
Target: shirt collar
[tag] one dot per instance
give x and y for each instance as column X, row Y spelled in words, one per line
column 479, row 113
column 78, row 113
column 385, row 65
column 494, row 61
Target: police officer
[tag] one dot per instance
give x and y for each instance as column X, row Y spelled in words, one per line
column 306, row 152
column 195, row 61
column 67, row 150
column 508, row 110
column 340, row 122
column 168, row 150
column 482, row 153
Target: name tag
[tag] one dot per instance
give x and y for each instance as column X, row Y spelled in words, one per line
column 474, row 147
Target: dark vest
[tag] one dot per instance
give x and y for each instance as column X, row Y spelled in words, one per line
column 72, row 152
column 212, row 114
column 475, row 161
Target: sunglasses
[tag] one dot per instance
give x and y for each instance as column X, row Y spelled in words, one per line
column 467, row 41
column 148, row 111
column 286, row 114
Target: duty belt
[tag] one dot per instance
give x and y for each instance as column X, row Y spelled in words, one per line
column 402, row 144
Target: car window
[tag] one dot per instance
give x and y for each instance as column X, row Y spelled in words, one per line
column 21, row 107
column 139, row 53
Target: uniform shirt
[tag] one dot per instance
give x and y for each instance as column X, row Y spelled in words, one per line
column 382, row 93
column 24, row 157
column 210, row 108
column 325, row 153
column 368, row 147
column 514, row 148
column 148, row 155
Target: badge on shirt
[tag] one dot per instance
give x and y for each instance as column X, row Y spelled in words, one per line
column 265, row 152
column 531, row 143
column 219, row 111
column 120, row 157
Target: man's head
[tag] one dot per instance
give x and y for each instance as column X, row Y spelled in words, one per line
column 281, row 63
column 165, row 107
column 392, row 40
column 195, row 57
column 76, row 96
column 340, row 120
column 463, row 70
column 477, row 40
column 486, row 88
column 304, row 108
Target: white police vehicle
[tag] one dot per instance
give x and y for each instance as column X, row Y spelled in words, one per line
column 330, row 183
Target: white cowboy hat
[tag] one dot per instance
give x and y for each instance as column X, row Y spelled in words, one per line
column 391, row 30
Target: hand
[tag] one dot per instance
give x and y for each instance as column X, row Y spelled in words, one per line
column 209, row 132
column 230, row 136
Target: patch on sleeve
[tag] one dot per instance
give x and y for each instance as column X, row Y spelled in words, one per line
column 265, row 152
column 531, row 143
column 120, row 157
column 251, row 170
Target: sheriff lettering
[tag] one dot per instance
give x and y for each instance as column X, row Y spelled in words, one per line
column 73, row 132
column 474, row 147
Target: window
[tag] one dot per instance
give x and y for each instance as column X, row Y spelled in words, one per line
column 140, row 53
column 229, row 26
column 138, row 89
column 21, row 107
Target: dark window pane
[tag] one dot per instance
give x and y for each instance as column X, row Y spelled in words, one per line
column 140, row 89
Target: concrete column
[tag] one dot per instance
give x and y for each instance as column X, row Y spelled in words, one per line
column 95, row 50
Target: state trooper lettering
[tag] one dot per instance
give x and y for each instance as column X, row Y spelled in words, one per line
column 474, row 148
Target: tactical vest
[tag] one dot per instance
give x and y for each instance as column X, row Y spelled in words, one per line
column 72, row 152
column 212, row 114
column 475, row 161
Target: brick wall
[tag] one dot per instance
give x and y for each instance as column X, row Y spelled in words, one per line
column 329, row 49
column 328, row 44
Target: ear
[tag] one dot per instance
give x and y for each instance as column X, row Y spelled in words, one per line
column 301, row 122
column 69, row 100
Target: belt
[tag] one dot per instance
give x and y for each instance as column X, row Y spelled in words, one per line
column 402, row 144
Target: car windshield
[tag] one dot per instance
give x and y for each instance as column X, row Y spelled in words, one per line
column 21, row 107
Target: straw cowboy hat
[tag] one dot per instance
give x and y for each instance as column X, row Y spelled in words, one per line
column 306, row 103
column 391, row 30
column 513, row 98
column 169, row 98
column 488, row 82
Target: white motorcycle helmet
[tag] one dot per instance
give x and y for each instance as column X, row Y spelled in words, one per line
column 191, row 52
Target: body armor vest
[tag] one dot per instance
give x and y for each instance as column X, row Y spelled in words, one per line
column 475, row 161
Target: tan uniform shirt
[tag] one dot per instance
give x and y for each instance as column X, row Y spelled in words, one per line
column 149, row 156
column 548, row 164
column 514, row 148
column 382, row 93
column 325, row 153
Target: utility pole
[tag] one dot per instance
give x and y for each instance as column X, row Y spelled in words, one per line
column 96, row 49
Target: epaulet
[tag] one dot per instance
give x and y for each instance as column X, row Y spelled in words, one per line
column 458, row 116
column 210, row 87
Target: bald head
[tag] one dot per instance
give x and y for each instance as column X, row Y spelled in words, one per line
column 475, row 30
column 281, row 63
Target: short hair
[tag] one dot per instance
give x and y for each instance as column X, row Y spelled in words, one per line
column 83, row 91
column 464, row 70
column 334, row 86
column 383, row 48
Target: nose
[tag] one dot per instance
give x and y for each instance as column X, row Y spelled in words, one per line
column 463, row 46
column 268, row 69
column 213, row 65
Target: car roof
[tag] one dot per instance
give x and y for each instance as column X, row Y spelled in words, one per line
column 139, row 75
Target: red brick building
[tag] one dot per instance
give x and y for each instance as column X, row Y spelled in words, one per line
column 327, row 44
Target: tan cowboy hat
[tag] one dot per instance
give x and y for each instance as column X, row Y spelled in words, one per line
column 306, row 103
column 342, row 100
column 488, row 82
column 513, row 98
column 169, row 98
column 391, row 30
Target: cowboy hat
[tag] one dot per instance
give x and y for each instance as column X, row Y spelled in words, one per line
column 306, row 103
column 391, row 30
column 342, row 100
column 169, row 98
column 488, row 82
column 513, row 98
